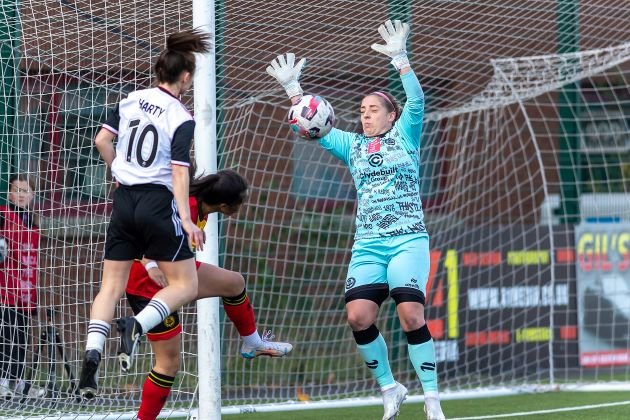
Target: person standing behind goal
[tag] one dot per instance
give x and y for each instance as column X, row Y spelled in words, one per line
column 19, row 248
column 150, row 217
column 390, row 255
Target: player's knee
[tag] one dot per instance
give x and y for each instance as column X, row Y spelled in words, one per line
column 237, row 284
column 359, row 321
column 111, row 291
column 411, row 321
column 190, row 291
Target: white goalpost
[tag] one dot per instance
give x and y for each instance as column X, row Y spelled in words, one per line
column 525, row 160
column 208, row 321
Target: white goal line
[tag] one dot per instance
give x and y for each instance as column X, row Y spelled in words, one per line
column 549, row 411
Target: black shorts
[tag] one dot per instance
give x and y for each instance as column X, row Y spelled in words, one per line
column 145, row 223
column 166, row 329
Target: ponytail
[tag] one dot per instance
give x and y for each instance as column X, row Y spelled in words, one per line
column 179, row 54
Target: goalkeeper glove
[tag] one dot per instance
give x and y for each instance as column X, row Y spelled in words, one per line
column 395, row 37
column 287, row 73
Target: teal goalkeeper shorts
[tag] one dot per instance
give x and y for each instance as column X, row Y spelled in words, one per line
column 396, row 265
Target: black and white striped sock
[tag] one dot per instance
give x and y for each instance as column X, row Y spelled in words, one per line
column 97, row 333
column 155, row 312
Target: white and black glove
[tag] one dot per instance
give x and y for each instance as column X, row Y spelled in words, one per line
column 395, row 37
column 287, row 73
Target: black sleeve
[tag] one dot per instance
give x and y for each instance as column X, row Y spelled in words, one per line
column 113, row 119
column 182, row 140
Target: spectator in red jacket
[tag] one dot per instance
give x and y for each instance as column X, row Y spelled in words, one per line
column 19, row 245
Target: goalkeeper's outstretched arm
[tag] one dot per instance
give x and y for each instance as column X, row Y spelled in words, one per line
column 410, row 120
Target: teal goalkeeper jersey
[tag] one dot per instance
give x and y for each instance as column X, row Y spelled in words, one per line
column 386, row 170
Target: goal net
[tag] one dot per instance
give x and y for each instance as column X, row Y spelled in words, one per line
column 525, row 176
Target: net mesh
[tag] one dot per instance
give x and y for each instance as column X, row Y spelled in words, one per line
column 526, row 136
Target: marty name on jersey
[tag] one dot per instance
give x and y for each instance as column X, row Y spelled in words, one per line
column 386, row 174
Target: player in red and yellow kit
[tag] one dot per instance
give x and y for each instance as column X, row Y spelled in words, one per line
column 222, row 192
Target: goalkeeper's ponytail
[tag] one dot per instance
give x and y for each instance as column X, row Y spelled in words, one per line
column 179, row 54
column 224, row 187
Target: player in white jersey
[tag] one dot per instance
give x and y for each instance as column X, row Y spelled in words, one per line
column 390, row 255
column 151, row 216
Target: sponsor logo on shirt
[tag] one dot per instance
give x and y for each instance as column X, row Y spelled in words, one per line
column 380, row 172
column 375, row 160
column 374, row 146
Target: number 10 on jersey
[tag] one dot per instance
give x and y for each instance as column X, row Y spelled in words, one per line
column 139, row 146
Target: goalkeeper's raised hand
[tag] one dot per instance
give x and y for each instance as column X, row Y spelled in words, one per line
column 287, row 73
column 395, row 36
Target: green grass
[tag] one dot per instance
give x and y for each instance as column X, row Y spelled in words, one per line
column 487, row 407
column 477, row 407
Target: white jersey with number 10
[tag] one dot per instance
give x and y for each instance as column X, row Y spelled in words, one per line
column 146, row 123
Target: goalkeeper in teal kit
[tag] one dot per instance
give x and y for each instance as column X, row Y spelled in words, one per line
column 390, row 255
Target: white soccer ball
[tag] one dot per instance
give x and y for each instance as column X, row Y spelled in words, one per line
column 312, row 117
